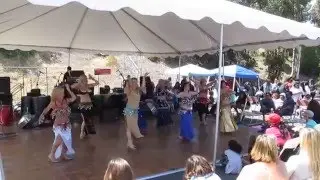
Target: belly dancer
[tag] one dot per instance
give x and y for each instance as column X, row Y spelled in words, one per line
column 133, row 93
column 203, row 100
column 82, row 89
column 227, row 123
column 62, row 144
column 187, row 98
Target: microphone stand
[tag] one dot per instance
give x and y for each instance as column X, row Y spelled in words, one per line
column 38, row 76
column 58, row 81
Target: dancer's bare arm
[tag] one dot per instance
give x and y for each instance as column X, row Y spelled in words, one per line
column 96, row 83
column 143, row 86
column 127, row 86
column 73, row 96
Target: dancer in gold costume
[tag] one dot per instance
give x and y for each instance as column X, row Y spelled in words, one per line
column 227, row 123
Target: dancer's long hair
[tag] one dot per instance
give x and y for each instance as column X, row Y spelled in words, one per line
column 197, row 166
column 57, row 95
column 309, row 142
column 118, row 169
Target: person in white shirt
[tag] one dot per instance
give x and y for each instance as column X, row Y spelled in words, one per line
column 296, row 92
column 233, row 154
column 198, row 168
column 278, row 102
column 306, row 165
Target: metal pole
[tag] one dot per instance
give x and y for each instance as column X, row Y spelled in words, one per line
column 218, row 98
column 223, row 65
column 47, row 81
column 69, row 56
column 234, row 83
column 179, row 68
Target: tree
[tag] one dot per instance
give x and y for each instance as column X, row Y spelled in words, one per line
column 298, row 10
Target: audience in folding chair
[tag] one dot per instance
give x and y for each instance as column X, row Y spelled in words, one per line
column 288, row 106
column 278, row 129
column 305, row 165
column 314, row 106
column 267, row 104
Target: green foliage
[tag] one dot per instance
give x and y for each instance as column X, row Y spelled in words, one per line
column 275, row 60
column 310, row 61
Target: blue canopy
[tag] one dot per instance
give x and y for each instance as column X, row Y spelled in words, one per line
column 238, row 72
column 232, row 71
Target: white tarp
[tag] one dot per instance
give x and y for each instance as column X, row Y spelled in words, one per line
column 187, row 69
column 155, row 27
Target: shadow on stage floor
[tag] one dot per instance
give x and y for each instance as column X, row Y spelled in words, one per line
column 25, row 156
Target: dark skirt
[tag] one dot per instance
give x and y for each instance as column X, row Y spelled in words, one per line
column 86, row 112
column 142, row 122
column 163, row 114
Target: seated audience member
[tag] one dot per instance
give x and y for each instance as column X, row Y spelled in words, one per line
column 288, row 106
column 277, row 129
column 304, row 101
column 198, row 168
column 267, row 105
column 278, row 102
column 252, row 141
column 296, row 92
column 118, row 169
column 314, row 106
column 290, row 148
column 306, row 164
column 308, row 115
column 233, row 154
column 267, row 165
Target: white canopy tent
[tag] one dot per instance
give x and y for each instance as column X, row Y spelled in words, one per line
column 149, row 28
column 187, row 69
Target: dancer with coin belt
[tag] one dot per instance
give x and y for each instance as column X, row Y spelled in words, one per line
column 83, row 90
column 133, row 93
column 62, row 145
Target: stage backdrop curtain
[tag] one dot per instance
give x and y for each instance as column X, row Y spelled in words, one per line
column 149, row 28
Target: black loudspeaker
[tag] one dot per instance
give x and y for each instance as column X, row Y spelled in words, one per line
column 6, row 99
column 5, row 85
column 26, row 105
column 118, row 90
column 39, row 103
column 35, row 92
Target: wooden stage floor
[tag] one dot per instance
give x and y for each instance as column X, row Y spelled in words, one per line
column 25, row 156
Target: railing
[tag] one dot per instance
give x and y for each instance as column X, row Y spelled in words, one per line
column 2, row 177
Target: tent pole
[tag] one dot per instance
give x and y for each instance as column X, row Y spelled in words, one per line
column 47, row 83
column 223, row 65
column 179, row 68
column 218, row 98
column 234, row 83
column 69, row 58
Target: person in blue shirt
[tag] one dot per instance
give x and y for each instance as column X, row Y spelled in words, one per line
column 308, row 115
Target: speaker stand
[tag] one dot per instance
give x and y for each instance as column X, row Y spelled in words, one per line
column 3, row 134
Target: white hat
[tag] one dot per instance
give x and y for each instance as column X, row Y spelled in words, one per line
column 308, row 113
column 283, row 94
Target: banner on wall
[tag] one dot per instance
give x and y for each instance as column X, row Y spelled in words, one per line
column 102, row 71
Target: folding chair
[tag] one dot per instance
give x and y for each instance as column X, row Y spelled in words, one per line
column 254, row 110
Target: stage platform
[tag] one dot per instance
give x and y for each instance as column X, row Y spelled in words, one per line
column 25, row 156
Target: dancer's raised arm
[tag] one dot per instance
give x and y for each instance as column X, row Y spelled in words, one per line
column 73, row 96
column 143, row 85
column 96, row 83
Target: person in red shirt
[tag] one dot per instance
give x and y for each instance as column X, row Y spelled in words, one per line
column 278, row 129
